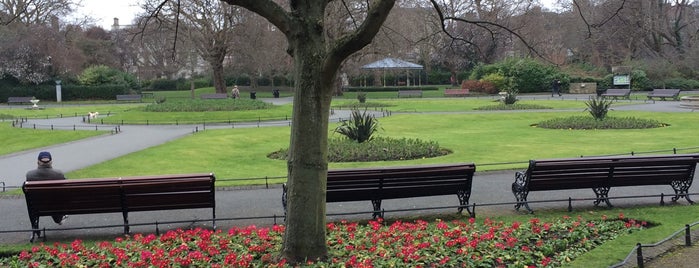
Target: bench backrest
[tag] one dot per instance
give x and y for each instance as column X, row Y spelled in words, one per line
column 129, row 97
column 665, row 92
column 169, row 192
column 592, row 172
column 214, row 96
column 19, row 99
column 398, row 182
column 618, row 91
column 410, row 92
column 104, row 195
column 60, row 197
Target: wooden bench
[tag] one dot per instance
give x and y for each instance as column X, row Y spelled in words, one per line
column 118, row 195
column 615, row 93
column 377, row 184
column 133, row 97
column 463, row 92
column 214, row 96
column 409, row 93
column 664, row 93
column 602, row 173
column 19, row 100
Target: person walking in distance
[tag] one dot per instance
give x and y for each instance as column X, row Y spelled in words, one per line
column 556, row 85
column 44, row 171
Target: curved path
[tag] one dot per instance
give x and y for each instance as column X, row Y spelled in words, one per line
column 489, row 187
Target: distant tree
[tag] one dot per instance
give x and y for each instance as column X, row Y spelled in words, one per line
column 33, row 11
column 208, row 24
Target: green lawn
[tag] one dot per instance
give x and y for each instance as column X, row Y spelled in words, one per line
column 482, row 138
column 21, row 139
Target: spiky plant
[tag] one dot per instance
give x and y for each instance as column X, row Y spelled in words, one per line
column 360, row 127
column 598, row 107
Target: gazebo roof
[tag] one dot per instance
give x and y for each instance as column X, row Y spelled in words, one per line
column 392, row 63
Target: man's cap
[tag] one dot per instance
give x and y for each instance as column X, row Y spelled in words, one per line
column 45, row 157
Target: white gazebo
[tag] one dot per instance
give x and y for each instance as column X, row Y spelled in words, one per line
column 394, row 64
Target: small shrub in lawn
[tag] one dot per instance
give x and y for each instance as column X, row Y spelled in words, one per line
column 515, row 106
column 196, row 105
column 585, row 122
column 361, row 97
column 378, row 149
column 598, row 107
column 360, row 127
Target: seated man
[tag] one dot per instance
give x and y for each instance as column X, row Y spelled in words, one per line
column 45, row 171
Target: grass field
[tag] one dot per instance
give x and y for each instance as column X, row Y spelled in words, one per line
column 482, row 138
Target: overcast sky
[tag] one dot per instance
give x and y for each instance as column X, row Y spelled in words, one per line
column 105, row 11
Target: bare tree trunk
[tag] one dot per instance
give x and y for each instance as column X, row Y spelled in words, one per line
column 219, row 81
column 307, row 163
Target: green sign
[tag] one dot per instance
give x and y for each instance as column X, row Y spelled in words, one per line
column 622, row 80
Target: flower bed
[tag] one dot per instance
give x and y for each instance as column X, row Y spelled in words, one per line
column 376, row 244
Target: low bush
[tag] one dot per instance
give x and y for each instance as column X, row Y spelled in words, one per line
column 586, row 122
column 515, row 106
column 480, row 86
column 378, row 149
column 195, row 105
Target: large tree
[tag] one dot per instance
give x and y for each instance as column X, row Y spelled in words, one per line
column 316, row 61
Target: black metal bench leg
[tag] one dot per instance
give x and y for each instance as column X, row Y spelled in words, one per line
column 521, row 194
column 463, row 201
column 681, row 188
column 602, row 194
column 284, row 198
column 35, row 227
column 126, row 222
column 377, row 208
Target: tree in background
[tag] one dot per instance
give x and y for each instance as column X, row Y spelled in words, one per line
column 208, row 24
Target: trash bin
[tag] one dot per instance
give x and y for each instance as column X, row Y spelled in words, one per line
column 253, row 95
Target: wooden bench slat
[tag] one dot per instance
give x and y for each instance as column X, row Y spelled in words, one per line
column 109, row 195
column 617, row 92
column 409, row 93
column 376, row 184
column 664, row 93
column 605, row 172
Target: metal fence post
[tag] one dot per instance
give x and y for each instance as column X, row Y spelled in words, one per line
column 687, row 236
column 639, row 255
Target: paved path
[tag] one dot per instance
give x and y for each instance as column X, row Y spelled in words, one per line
column 258, row 204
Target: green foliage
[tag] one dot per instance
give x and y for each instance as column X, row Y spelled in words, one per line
column 598, row 107
column 639, row 80
column 677, row 82
column 480, row 86
column 529, row 75
column 361, row 97
column 511, row 88
column 377, row 243
column 198, row 105
column 104, row 75
column 379, row 149
column 497, row 80
column 584, row 122
column 360, row 127
column 515, row 106
column 163, row 85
